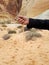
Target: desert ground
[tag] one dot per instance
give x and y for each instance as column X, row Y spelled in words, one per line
column 19, row 46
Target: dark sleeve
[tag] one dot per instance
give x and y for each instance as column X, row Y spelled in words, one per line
column 38, row 23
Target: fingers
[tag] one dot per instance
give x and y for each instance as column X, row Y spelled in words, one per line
column 21, row 21
column 22, row 17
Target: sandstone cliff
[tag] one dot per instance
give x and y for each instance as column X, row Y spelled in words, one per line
column 12, row 7
column 29, row 8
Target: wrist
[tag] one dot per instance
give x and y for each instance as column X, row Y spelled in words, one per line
column 27, row 21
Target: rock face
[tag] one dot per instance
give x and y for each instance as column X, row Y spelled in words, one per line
column 37, row 7
column 10, row 6
column 32, row 8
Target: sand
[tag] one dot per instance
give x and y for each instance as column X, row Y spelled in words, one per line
column 17, row 50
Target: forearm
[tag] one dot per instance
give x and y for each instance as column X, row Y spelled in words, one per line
column 38, row 23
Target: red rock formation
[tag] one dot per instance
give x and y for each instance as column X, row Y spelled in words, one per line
column 13, row 6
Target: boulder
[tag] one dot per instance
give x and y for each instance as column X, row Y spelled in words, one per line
column 6, row 36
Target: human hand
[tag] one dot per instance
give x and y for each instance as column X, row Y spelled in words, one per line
column 23, row 20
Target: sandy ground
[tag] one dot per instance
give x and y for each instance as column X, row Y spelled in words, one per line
column 17, row 50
